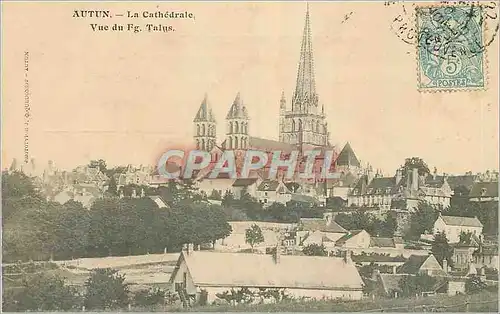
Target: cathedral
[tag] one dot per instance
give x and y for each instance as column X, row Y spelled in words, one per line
column 302, row 122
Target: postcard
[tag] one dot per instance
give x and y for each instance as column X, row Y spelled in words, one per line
column 250, row 156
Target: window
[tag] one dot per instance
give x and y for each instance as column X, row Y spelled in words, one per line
column 265, row 193
column 483, row 191
column 370, row 191
column 265, row 201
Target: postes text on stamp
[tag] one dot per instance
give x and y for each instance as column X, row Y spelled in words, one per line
column 450, row 48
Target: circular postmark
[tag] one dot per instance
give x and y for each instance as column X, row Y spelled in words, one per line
column 456, row 28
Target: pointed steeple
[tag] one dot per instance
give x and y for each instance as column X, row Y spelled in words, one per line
column 238, row 109
column 283, row 101
column 204, row 113
column 347, row 157
column 305, row 90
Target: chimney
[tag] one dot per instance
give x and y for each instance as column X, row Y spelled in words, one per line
column 414, row 179
column 394, row 269
column 408, row 179
column 328, row 218
column 435, row 173
column 277, row 253
column 399, row 176
column 369, row 174
column 445, row 265
column 189, row 248
column 347, row 257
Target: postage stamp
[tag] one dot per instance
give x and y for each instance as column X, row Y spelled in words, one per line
column 450, row 47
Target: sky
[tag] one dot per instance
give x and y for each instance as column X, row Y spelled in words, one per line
column 127, row 97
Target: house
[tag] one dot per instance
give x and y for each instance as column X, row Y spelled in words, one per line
column 248, row 185
column 463, row 250
column 398, row 192
column 389, row 285
column 310, row 277
column 453, row 226
column 342, row 186
column 465, row 182
column 318, row 238
column 486, row 256
column 236, row 241
column 354, row 239
column 383, row 243
column 86, row 194
column 271, row 191
column 379, row 259
column 484, row 192
column 423, row 264
column 321, row 227
column 132, row 175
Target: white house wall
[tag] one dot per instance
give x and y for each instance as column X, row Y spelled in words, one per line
column 295, row 293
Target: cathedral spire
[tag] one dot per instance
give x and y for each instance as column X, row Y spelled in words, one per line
column 305, row 90
column 204, row 113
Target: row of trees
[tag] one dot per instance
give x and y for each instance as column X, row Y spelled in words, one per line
column 249, row 208
column 35, row 229
column 375, row 226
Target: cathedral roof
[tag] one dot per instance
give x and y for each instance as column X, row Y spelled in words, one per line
column 269, row 145
column 347, row 157
column 237, row 110
column 204, row 113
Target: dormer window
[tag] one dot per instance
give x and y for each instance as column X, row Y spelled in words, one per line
column 370, row 191
column 266, row 186
column 355, row 191
column 483, row 191
column 387, row 190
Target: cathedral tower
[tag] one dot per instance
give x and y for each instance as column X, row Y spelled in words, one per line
column 305, row 123
column 205, row 127
column 237, row 125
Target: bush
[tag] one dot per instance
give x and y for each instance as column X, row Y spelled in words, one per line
column 150, row 297
column 106, row 290
column 474, row 284
column 41, row 292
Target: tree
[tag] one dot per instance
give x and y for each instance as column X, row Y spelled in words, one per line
column 112, row 187
column 228, row 199
column 474, row 284
column 314, row 249
column 358, row 220
column 101, row 164
column 42, row 292
column 415, row 162
column 388, row 225
column 105, row 289
column 412, row 285
column 441, row 249
column 253, row 235
column 422, row 220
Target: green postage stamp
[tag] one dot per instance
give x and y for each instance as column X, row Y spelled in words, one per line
column 451, row 47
